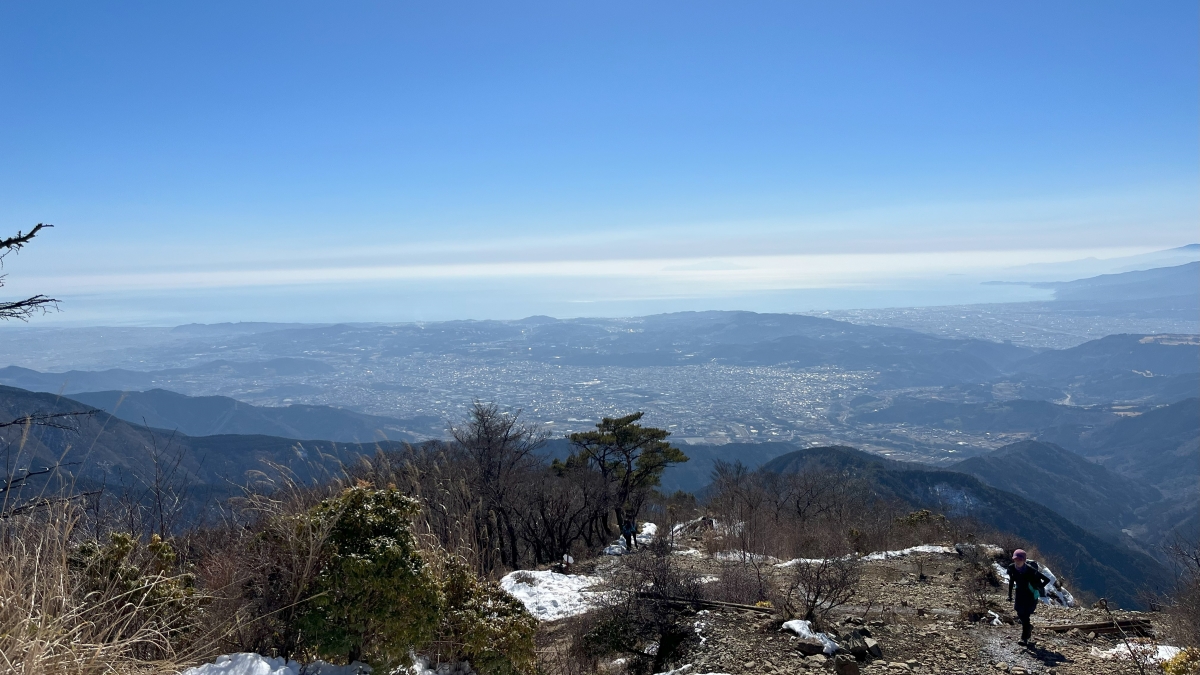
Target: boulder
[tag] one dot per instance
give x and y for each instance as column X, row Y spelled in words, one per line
column 854, row 643
column 809, row 646
column 844, row 664
column 873, row 647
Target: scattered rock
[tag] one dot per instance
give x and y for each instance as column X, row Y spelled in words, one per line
column 844, row 664
column 873, row 647
column 855, row 643
column 809, row 646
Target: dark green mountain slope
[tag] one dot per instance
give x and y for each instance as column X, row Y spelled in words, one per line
column 695, row 473
column 1085, row 492
column 1086, row 560
column 75, row 381
column 212, row 415
column 1161, row 447
column 114, row 453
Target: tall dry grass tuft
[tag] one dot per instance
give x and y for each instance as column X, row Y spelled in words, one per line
column 55, row 620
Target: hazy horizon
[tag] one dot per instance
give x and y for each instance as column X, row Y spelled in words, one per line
column 395, row 163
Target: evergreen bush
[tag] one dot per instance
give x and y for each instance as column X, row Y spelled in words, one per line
column 484, row 625
column 374, row 599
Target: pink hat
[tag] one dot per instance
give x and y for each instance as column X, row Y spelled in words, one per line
column 1019, row 554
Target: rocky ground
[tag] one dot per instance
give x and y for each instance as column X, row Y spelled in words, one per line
column 918, row 624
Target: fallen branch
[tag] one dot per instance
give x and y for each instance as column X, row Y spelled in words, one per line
column 710, row 604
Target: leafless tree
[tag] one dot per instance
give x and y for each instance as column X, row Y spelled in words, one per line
column 812, row 588
column 23, row 309
column 499, row 450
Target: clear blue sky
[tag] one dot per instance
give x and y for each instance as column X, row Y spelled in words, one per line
column 224, row 161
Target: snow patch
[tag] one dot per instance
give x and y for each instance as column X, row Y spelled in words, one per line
column 549, row 595
column 686, row 670
column 801, row 561
column 804, row 629
column 644, row 536
column 421, row 666
column 1056, row 594
column 256, row 664
column 742, row 556
column 1144, row 653
column 926, row 548
column 878, row 555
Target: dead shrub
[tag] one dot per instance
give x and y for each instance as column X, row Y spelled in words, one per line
column 740, row 582
column 1181, row 607
column 811, row 589
column 645, row 613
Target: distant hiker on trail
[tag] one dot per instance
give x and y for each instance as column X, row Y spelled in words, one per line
column 1031, row 585
column 629, row 531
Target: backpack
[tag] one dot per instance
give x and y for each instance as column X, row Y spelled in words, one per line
column 1038, row 587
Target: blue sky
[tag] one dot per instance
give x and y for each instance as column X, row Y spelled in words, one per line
column 398, row 161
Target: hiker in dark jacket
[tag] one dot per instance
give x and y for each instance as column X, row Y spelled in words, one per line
column 1030, row 585
column 629, row 531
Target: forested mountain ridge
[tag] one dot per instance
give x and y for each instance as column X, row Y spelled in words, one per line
column 1096, row 565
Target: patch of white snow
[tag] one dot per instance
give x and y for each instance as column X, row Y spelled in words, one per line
column 925, row 548
column 804, row 629
column 1144, row 653
column 549, row 595
column 644, row 536
column 421, row 666
column 256, row 664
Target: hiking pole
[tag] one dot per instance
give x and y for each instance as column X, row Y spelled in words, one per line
column 1132, row 655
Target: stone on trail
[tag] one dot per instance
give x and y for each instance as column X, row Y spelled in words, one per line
column 810, row 647
column 854, row 643
column 844, row 664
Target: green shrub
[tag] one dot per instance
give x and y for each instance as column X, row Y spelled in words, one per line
column 1186, row 662
column 129, row 586
column 484, row 625
column 374, row 598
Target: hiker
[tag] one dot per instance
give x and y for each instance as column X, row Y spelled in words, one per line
column 1031, row 585
column 629, row 531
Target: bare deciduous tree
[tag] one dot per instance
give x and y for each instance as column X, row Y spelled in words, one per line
column 812, row 588
column 23, row 309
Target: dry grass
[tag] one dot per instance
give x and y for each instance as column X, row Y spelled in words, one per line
column 51, row 625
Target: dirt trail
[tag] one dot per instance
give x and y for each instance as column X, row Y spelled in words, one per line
column 999, row 645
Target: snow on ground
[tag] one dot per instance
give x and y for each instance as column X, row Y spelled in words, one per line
column 804, row 629
column 801, row 561
column 878, row 555
column 644, row 536
column 256, row 664
column 742, row 556
column 549, row 595
column 686, row 670
column 884, row 555
column 1055, row 594
column 421, row 666
column 1144, row 653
